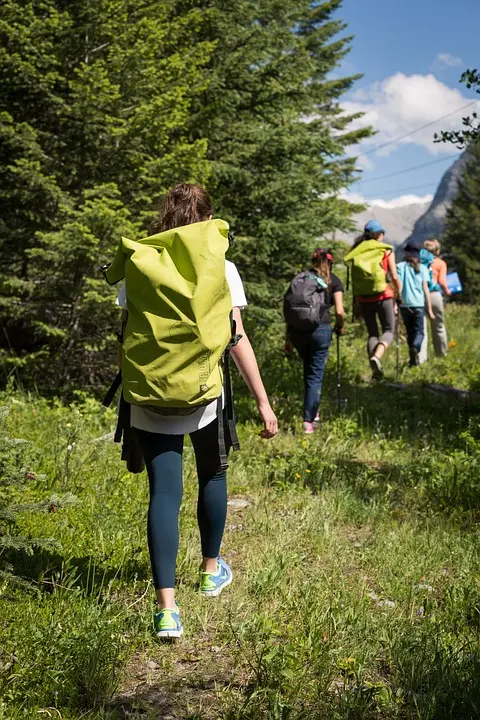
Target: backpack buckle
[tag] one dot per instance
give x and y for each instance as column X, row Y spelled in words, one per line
column 103, row 269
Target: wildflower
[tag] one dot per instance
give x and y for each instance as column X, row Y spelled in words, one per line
column 297, row 476
column 452, row 344
column 307, row 470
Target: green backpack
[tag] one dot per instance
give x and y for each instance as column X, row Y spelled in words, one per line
column 179, row 330
column 365, row 266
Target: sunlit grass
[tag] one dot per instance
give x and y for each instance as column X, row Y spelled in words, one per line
column 356, row 587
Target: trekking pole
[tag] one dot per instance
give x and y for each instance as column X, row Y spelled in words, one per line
column 397, row 343
column 339, row 387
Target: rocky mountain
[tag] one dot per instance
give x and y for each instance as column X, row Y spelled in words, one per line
column 397, row 221
column 430, row 225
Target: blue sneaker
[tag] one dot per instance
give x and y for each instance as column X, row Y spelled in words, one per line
column 212, row 584
column 167, row 623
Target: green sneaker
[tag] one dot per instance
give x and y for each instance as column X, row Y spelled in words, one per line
column 212, row 584
column 167, row 623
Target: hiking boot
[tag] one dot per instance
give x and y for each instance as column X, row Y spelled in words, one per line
column 414, row 358
column 212, row 584
column 377, row 368
column 167, row 623
column 308, row 428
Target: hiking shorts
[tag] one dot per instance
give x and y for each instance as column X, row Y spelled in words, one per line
column 383, row 311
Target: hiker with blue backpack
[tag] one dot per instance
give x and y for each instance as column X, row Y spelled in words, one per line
column 306, row 309
column 375, row 285
column 415, row 300
column 182, row 305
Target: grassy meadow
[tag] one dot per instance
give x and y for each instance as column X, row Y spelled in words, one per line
column 355, row 555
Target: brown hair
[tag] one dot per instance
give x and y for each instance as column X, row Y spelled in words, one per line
column 414, row 262
column 367, row 235
column 183, row 205
column 323, row 266
column 432, row 246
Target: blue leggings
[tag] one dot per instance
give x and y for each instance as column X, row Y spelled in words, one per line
column 163, row 459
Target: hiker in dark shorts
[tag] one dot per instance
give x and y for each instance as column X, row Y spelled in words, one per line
column 377, row 307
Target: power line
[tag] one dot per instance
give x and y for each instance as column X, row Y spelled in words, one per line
column 409, row 189
column 414, row 187
column 405, row 170
column 422, row 127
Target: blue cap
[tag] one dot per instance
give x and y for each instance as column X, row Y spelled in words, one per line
column 374, row 226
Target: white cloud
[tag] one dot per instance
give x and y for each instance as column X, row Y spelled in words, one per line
column 449, row 60
column 401, row 201
column 402, row 103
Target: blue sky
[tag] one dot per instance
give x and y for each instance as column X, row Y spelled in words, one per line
column 411, row 54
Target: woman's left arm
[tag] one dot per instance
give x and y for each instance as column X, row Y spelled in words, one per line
column 120, row 338
column 247, row 365
column 442, row 278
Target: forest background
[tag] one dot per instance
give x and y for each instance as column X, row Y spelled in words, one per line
column 106, row 105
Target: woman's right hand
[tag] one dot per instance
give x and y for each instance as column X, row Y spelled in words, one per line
column 269, row 420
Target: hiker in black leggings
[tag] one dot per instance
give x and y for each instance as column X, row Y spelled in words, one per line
column 161, row 438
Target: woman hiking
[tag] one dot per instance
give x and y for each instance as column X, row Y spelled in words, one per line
column 187, row 213
column 415, row 298
column 375, row 286
column 438, row 290
column 313, row 343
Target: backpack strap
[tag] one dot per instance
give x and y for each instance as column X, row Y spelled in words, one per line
column 227, row 428
column 126, row 434
column 111, row 392
column 108, row 399
column 229, row 405
column 222, row 445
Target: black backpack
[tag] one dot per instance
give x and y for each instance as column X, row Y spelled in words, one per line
column 304, row 301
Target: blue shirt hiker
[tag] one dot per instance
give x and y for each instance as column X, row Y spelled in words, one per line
column 415, row 298
column 413, row 294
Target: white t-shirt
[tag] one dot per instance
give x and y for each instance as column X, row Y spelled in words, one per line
column 151, row 421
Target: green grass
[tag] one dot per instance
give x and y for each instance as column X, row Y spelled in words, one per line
column 356, row 587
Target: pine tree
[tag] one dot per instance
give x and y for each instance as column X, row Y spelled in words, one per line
column 277, row 138
column 462, row 232
column 471, row 123
column 93, row 112
column 108, row 103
